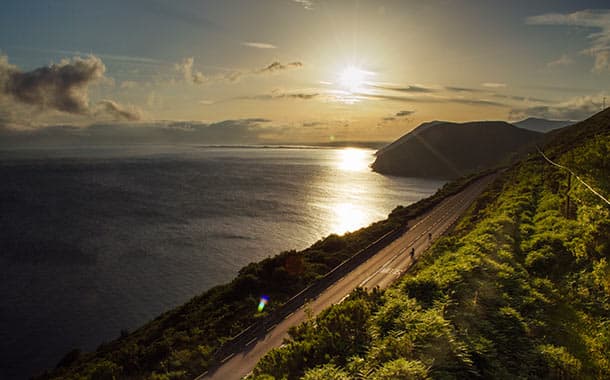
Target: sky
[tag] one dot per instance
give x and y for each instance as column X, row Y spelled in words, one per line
column 292, row 71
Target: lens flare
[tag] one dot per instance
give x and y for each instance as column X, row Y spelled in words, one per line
column 261, row 304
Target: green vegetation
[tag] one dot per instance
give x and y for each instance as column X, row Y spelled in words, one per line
column 519, row 289
column 180, row 343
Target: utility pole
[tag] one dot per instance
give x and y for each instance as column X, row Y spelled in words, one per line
column 604, row 104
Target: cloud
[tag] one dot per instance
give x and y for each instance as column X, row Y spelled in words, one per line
column 564, row 60
column 238, row 131
column 494, row 85
column 185, row 67
column 307, row 4
column 118, row 111
column 279, row 94
column 433, row 100
column 277, row 66
column 463, row 89
column 599, row 41
column 578, row 108
column 398, row 115
column 309, row 124
column 404, row 113
column 410, row 89
column 62, row 86
column 259, row 45
column 520, row 98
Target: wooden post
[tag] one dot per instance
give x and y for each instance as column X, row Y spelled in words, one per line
column 568, row 195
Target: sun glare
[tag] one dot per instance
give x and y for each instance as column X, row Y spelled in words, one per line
column 352, row 78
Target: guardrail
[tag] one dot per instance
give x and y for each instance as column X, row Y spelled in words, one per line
column 259, row 329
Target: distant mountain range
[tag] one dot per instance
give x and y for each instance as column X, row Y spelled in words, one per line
column 542, row 125
column 441, row 149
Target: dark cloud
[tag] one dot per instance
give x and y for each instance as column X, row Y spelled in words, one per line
column 277, row 66
column 118, row 111
column 61, row 86
column 410, row 89
column 239, row 131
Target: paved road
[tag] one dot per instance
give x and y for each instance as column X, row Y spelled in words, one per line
column 380, row 270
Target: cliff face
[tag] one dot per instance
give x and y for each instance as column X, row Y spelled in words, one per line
column 450, row 150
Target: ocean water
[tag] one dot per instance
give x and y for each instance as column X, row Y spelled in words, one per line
column 96, row 240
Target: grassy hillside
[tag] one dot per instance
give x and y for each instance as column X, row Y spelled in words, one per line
column 451, row 150
column 180, row 343
column 519, row 289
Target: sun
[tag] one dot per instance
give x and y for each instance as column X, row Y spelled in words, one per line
column 352, row 78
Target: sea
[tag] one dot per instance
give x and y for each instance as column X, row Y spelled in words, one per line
column 96, row 240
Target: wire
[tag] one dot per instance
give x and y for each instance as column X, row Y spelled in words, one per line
column 574, row 174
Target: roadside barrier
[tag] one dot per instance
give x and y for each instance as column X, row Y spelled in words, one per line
column 259, row 329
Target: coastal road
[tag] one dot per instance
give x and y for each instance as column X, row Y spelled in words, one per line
column 379, row 271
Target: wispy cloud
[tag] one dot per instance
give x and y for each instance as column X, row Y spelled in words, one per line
column 307, row 4
column 434, row 100
column 278, row 66
column 404, row 113
column 599, row 41
column 399, row 115
column 520, row 98
column 564, row 60
column 104, row 56
column 494, row 85
column 577, row 108
column 259, row 45
column 408, row 88
column 187, row 72
column 463, row 89
column 279, row 94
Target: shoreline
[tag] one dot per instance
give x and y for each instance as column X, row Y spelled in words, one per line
column 283, row 281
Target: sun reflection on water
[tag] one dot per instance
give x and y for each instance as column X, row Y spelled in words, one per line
column 348, row 217
column 353, row 159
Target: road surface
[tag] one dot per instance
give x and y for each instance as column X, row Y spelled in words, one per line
column 378, row 271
